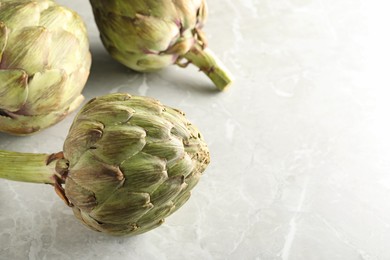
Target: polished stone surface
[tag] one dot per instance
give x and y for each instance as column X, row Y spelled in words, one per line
column 300, row 143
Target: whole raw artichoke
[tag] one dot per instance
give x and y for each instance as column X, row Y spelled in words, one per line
column 149, row 35
column 44, row 64
column 129, row 163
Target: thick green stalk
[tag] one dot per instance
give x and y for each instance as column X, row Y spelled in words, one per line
column 207, row 62
column 28, row 167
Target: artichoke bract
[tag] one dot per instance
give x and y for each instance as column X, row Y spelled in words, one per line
column 44, row 64
column 149, row 35
column 128, row 163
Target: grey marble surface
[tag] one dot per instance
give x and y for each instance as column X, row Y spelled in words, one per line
column 299, row 144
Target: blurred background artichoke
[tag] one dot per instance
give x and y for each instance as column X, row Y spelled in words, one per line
column 44, row 64
column 149, row 35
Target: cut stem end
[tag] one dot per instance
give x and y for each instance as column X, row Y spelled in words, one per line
column 209, row 64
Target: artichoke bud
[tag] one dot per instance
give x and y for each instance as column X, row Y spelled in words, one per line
column 44, row 64
column 130, row 163
column 150, row 35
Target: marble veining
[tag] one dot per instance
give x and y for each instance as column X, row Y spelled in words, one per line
column 300, row 143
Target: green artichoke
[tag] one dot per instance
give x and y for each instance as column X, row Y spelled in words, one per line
column 44, row 64
column 128, row 163
column 149, row 35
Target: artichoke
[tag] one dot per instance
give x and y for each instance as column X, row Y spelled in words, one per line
column 44, row 64
column 128, row 163
column 149, row 35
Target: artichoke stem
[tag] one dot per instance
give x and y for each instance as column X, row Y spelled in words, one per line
column 207, row 62
column 28, row 167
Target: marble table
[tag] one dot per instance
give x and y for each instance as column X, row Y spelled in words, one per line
column 300, row 143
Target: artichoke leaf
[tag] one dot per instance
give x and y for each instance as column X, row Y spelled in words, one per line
column 13, row 10
column 119, row 113
column 46, row 89
column 55, row 17
column 168, row 190
column 155, row 126
column 144, row 172
column 180, row 200
column 118, row 143
column 122, row 206
column 79, row 196
column 84, row 135
column 13, row 89
column 156, row 213
column 100, row 178
column 28, row 49
column 117, row 30
column 177, row 118
column 155, row 34
column 171, row 149
column 64, row 51
column 183, row 166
